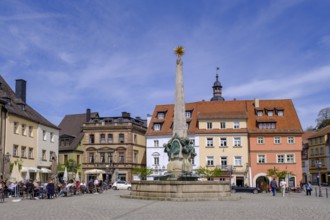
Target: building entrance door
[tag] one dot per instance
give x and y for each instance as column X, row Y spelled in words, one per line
column 239, row 181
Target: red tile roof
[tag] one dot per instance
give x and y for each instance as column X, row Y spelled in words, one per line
column 236, row 109
column 321, row 132
column 288, row 123
column 306, row 135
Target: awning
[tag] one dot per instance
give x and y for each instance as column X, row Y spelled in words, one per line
column 45, row 170
column 30, row 169
column 94, row 171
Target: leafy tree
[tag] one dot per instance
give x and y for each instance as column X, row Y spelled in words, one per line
column 208, row 172
column 71, row 166
column 323, row 118
column 278, row 174
column 142, row 171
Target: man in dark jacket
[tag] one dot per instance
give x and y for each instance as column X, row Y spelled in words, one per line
column 30, row 188
column 50, row 189
column 273, row 185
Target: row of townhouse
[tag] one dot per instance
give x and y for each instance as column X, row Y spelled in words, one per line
column 102, row 147
column 244, row 138
column 27, row 138
column 316, row 156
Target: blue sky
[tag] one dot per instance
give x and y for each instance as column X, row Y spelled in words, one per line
column 114, row 56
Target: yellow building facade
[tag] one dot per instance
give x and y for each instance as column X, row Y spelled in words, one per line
column 224, row 144
column 318, row 155
column 113, row 146
column 29, row 138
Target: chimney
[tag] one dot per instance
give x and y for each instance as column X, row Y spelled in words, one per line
column 21, row 89
column 256, row 103
column 88, row 115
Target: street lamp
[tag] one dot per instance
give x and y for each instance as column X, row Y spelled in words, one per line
column 107, row 173
column 231, row 169
column 319, row 165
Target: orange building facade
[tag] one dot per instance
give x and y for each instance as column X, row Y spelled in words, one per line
column 275, row 141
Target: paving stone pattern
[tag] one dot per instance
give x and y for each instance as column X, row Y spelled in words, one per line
column 109, row 205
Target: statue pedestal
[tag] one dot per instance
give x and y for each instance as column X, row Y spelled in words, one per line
column 179, row 167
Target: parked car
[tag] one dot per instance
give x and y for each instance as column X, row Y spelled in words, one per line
column 121, row 185
column 248, row 189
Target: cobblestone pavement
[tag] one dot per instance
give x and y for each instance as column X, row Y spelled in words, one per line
column 109, row 205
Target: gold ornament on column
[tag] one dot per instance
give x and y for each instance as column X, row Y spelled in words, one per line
column 179, row 51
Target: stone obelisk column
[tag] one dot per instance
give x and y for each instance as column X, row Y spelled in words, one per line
column 179, row 123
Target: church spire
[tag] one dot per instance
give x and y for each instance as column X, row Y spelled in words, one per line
column 217, row 88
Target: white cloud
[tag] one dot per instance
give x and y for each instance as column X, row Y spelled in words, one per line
column 293, row 86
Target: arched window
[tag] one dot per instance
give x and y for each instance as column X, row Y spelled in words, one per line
column 156, row 155
column 121, row 157
column 91, row 157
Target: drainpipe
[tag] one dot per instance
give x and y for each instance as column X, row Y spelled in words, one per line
column 250, row 176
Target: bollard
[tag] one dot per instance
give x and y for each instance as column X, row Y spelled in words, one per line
column 315, row 191
column 326, row 192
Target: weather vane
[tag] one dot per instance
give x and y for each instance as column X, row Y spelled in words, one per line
column 179, row 51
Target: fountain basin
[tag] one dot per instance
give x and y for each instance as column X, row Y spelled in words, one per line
column 181, row 191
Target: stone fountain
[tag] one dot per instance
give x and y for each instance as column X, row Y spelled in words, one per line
column 179, row 184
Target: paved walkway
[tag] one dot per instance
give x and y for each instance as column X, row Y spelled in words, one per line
column 109, row 205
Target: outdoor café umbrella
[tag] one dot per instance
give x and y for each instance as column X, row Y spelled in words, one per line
column 94, row 171
column 16, row 175
column 100, row 177
column 38, row 177
column 27, row 176
column 65, row 176
column 77, row 177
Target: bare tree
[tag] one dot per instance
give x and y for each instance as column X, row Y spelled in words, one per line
column 323, row 118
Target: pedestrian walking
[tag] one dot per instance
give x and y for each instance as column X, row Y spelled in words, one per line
column 308, row 189
column 273, row 185
column 283, row 187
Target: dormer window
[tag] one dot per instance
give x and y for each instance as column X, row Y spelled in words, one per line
column 161, row 115
column 209, row 125
column 188, row 114
column 280, row 113
column 259, row 113
column 157, row 126
column 270, row 113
